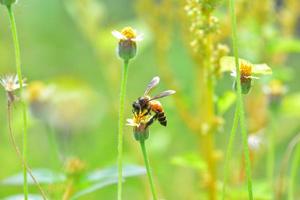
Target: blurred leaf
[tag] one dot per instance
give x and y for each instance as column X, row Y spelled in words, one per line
column 112, row 172
column 105, row 177
column 291, row 105
column 43, row 176
column 21, row 197
column 285, row 45
column 225, row 102
column 191, row 160
column 94, row 187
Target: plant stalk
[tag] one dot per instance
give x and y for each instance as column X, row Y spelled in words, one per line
column 149, row 174
column 16, row 148
column 20, row 77
column 240, row 99
column 293, row 175
column 121, row 126
column 229, row 149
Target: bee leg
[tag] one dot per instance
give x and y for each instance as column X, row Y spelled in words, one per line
column 151, row 120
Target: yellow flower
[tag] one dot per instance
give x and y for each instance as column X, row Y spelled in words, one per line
column 127, row 42
column 140, row 127
column 127, row 33
column 248, row 71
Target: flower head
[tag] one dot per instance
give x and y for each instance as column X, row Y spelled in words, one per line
column 127, row 42
column 74, row 167
column 10, row 83
column 140, row 127
column 255, row 141
column 248, row 71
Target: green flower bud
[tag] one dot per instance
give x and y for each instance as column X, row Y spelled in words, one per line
column 127, row 42
column 141, row 133
column 127, row 49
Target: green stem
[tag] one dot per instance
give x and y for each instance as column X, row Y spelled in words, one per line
column 24, row 109
column 240, row 99
column 271, row 154
column 229, row 149
column 121, row 126
column 294, row 170
column 149, row 174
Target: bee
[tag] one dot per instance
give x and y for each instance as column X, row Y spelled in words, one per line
column 144, row 105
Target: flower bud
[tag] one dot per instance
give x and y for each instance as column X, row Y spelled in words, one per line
column 141, row 133
column 127, row 47
column 8, row 2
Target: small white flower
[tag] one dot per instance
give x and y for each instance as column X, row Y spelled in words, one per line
column 11, row 83
column 127, row 33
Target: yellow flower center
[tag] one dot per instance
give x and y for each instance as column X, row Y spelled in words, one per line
column 276, row 87
column 128, row 32
column 246, row 69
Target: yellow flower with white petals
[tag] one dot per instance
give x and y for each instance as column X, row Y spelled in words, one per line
column 248, row 71
column 127, row 42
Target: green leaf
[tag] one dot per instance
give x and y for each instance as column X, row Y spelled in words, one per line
column 191, row 160
column 285, row 45
column 225, row 102
column 104, row 177
column 112, row 172
column 43, row 176
column 94, row 187
column 21, row 197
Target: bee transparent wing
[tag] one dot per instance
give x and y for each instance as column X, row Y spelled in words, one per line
column 154, row 82
column 163, row 94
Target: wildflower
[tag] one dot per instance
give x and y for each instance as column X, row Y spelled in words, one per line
column 127, row 42
column 74, row 166
column 10, row 83
column 248, row 71
column 140, row 127
column 8, row 2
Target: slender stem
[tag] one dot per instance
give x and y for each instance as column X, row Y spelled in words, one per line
column 229, row 149
column 271, row 154
column 121, row 126
column 240, row 99
column 20, row 77
column 14, row 144
column 149, row 174
column 294, row 171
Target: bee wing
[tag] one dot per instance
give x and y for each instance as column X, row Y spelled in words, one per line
column 163, row 94
column 154, row 82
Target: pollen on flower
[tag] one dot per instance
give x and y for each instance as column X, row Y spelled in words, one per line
column 245, row 69
column 129, row 32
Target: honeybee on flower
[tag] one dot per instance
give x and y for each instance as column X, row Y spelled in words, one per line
column 127, row 42
column 147, row 109
column 11, row 83
column 248, row 71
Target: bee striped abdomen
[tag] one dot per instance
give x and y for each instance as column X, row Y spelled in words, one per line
column 162, row 118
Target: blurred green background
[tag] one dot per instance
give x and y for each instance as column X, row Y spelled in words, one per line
column 68, row 44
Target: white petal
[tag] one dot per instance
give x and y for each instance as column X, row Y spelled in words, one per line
column 138, row 38
column 262, row 69
column 118, row 35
